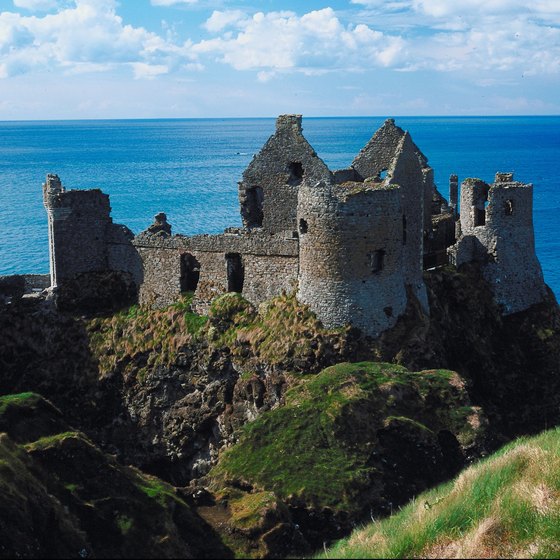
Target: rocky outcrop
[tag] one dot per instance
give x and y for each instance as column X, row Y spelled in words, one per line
column 167, row 390
column 62, row 497
column 354, row 441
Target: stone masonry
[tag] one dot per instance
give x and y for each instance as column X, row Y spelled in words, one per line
column 496, row 229
column 82, row 235
column 351, row 243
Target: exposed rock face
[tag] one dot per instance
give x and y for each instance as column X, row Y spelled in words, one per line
column 167, row 390
column 62, row 497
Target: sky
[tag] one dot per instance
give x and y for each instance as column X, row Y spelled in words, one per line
column 78, row 59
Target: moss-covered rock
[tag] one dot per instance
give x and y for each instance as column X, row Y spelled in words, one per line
column 63, row 497
column 353, row 439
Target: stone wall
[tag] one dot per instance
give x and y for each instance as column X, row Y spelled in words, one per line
column 78, row 221
column 269, row 189
column 351, row 254
column 392, row 150
column 82, row 236
column 354, row 242
column 497, row 230
column 254, row 263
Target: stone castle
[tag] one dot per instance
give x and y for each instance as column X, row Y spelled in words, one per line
column 352, row 243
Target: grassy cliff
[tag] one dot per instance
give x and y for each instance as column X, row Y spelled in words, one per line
column 507, row 506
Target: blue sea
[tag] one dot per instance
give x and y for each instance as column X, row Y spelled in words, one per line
column 189, row 169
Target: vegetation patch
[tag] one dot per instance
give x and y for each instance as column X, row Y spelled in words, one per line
column 125, row 524
column 139, row 339
column 157, row 489
column 503, row 507
column 49, row 441
column 21, row 399
column 248, row 510
column 319, row 448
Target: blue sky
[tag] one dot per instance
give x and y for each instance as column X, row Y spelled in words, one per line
column 64, row 59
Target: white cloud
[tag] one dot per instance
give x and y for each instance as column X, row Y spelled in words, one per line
column 87, row 34
column 474, row 35
column 148, row 71
column 220, row 20
column 314, row 43
column 36, row 5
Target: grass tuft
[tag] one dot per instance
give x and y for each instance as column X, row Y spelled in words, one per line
column 505, row 506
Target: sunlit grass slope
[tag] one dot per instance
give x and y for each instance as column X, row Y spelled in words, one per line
column 507, row 506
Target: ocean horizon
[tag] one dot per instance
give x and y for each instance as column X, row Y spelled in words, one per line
column 189, row 168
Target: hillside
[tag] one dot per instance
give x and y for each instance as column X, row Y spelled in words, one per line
column 507, row 506
column 282, row 434
column 62, row 497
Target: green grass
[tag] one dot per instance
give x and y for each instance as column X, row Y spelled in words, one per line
column 21, row 399
column 139, row 339
column 505, row 506
column 157, row 489
column 317, row 446
column 125, row 524
column 247, row 510
column 49, row 441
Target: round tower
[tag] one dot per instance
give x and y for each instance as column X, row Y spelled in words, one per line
column 351, row 254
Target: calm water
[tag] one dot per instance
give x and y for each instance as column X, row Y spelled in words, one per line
column 190, row 168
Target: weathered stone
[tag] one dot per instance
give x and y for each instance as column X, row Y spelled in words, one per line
column 497, row 231
column 352, row 244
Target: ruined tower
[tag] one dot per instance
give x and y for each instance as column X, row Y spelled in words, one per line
column 496, row 224
column 351, row 253
column 268, row 191
column 391, row 154
column 82, row 236
column 78, row 223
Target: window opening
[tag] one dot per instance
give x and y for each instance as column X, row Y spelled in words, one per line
column 303, row 226
column 479, row 217
column 190, row 273
column 253, row 210
column 377, row 261
column 295, row 169
column 508, row 207
column 235, row 272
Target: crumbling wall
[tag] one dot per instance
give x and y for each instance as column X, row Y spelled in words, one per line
column 438, row 240
column 406, row 171
column 269, row 188
column 82, row 236
column 497, row 230
column 78, row 221
column 253, row 263
column 351, row 254
column 391, row 151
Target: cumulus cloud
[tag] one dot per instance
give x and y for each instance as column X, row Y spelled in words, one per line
column 87, row 34
column 314, row 43
column 220, row 20
column 36, row 5
column 477, row 35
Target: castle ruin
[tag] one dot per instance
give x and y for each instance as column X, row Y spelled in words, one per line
column 352, row 243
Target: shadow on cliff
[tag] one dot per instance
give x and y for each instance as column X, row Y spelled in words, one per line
column 511, row 363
